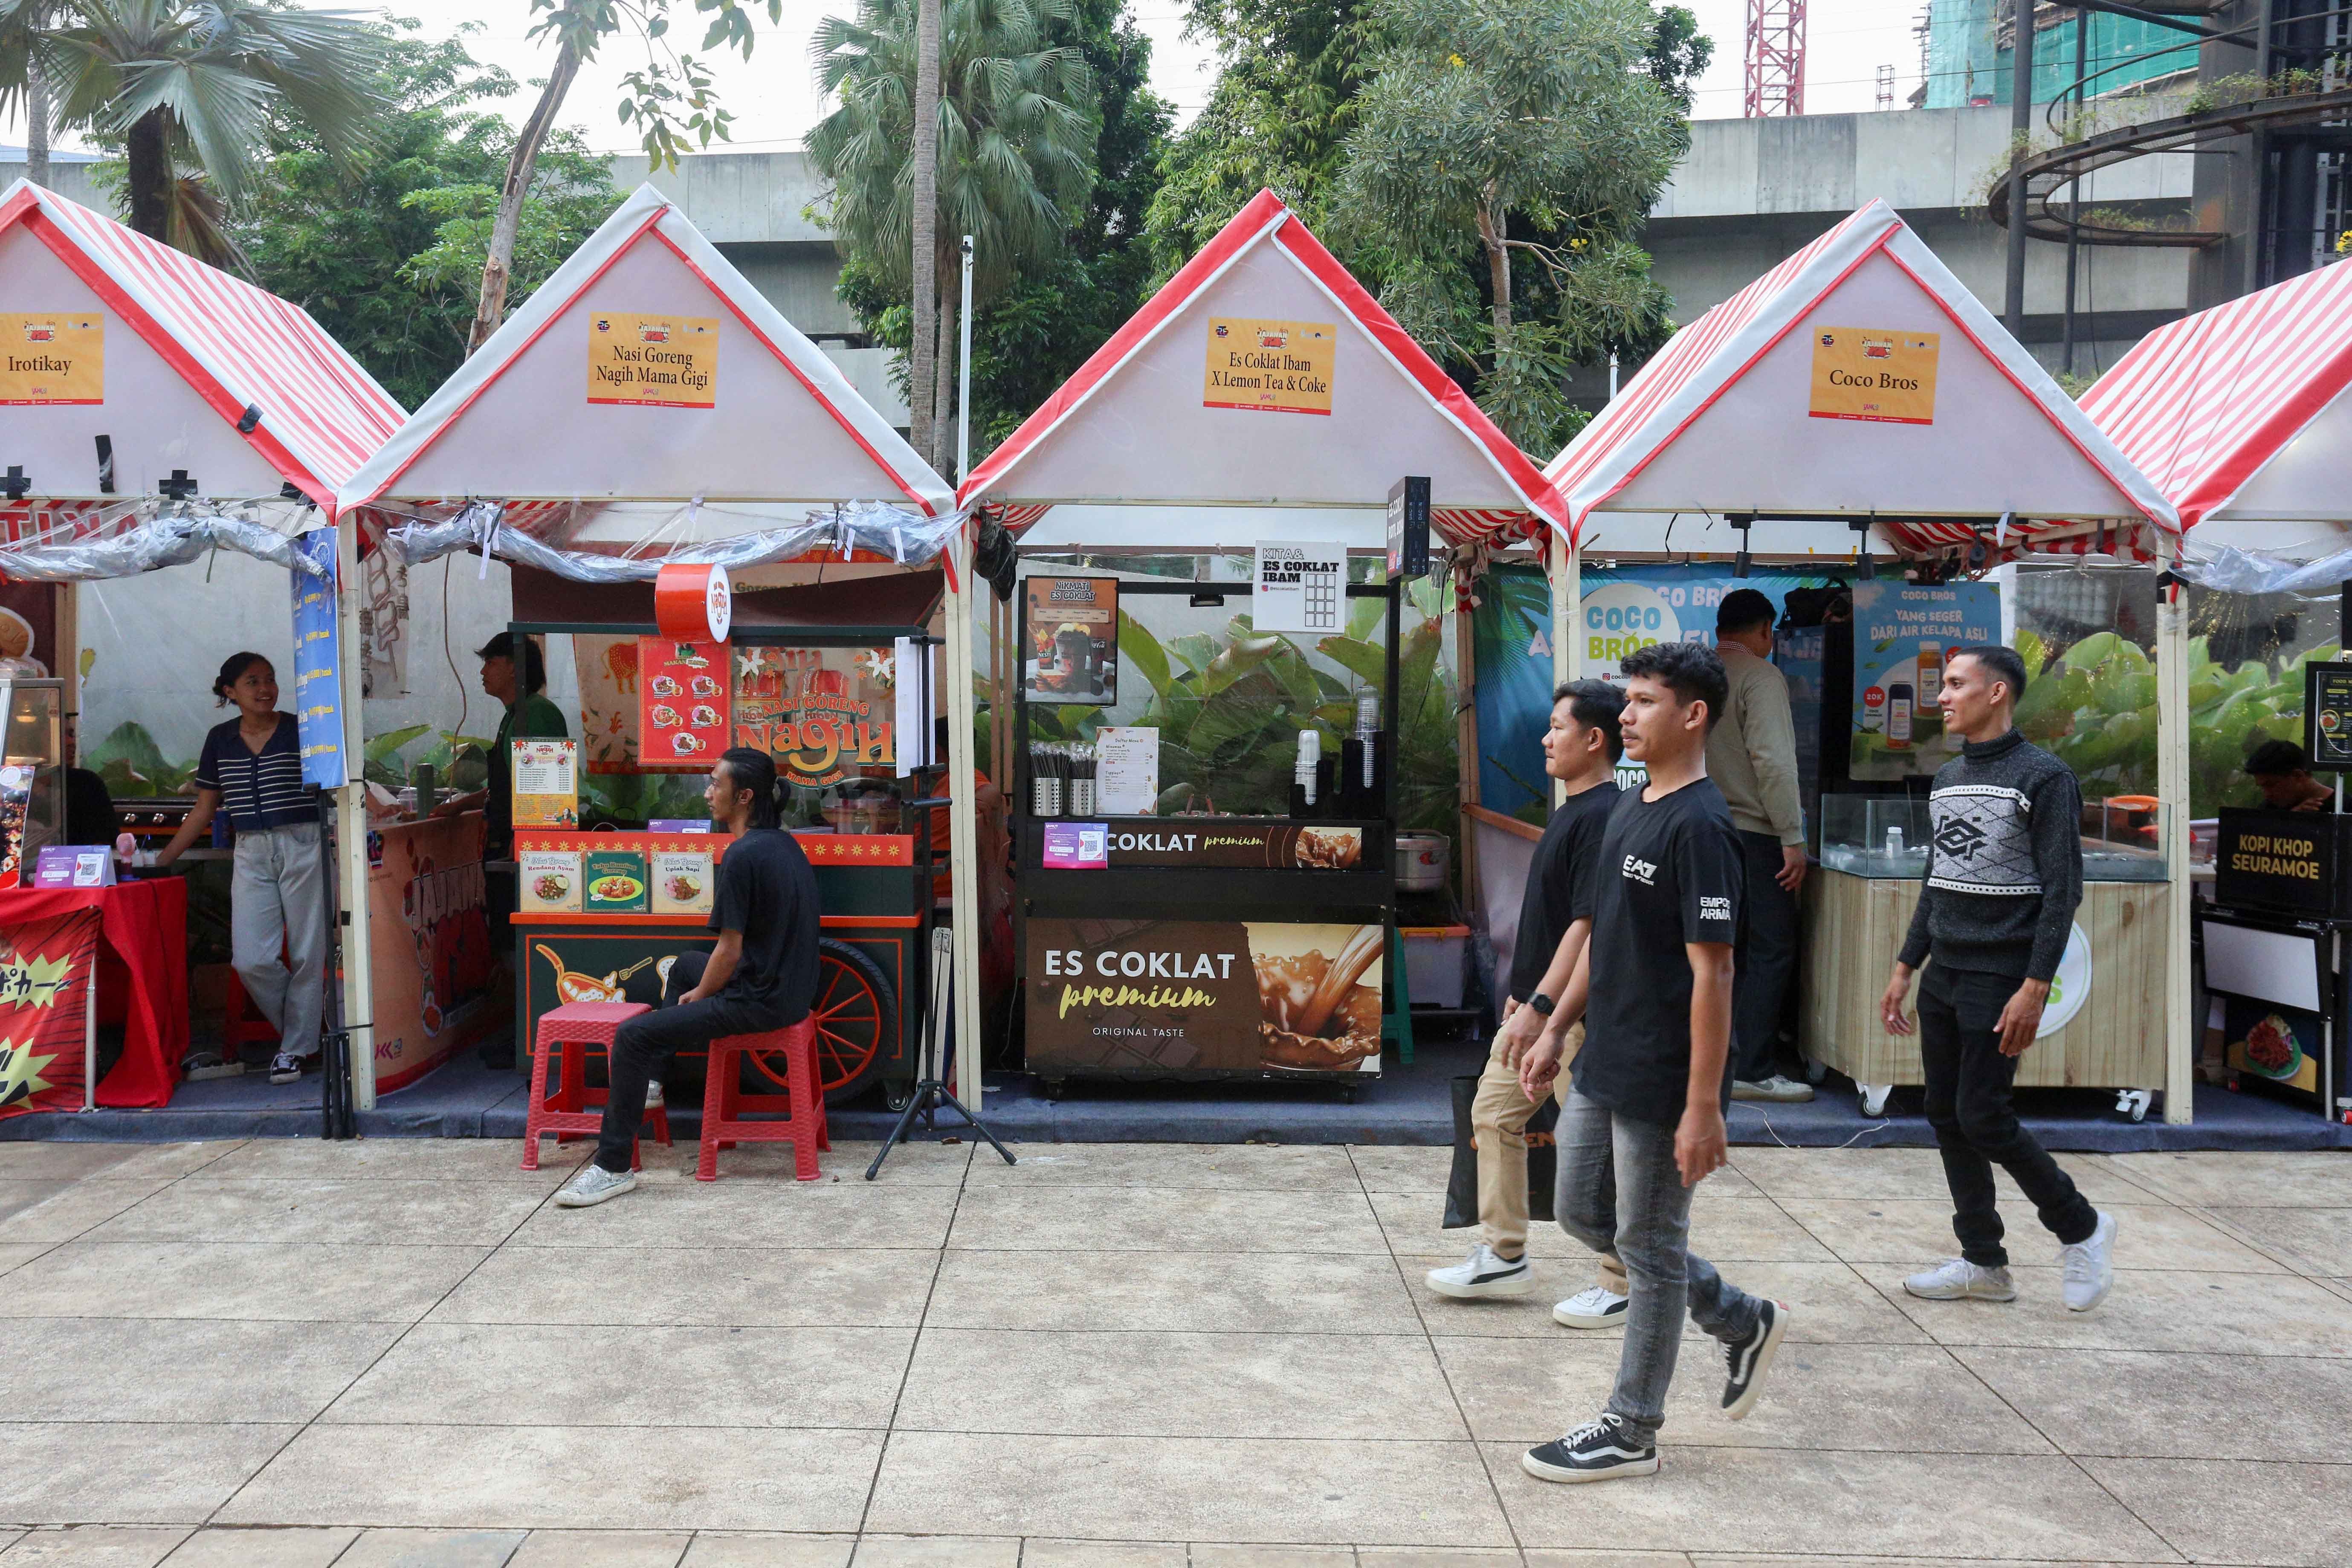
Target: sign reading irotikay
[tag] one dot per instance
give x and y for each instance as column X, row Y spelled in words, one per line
column 51, row 356
column 663, row 361
column 1298, row 587
column 1884, row 376
column 1270, row 367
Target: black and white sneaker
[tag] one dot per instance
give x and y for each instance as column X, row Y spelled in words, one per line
column 1598, row 1451
column 1483, row 1273
column 286, row 1067
column 1750, row 1358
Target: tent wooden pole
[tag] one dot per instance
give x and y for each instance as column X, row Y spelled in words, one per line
column 1561, row 565
column 963, row 823
column 1465, row 741
column 2172, row 790
column 351, row 825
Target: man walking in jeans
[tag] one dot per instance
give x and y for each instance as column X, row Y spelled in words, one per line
column 760, row 975
column 1653, row 1077
column 2004, row 876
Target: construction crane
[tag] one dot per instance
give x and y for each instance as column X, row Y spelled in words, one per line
column 1776, row 58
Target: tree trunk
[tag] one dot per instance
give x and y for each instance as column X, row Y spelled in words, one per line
column 492, row 308
column 37, row 118
column 943, row 424
column 1492, row 233
column 921, row 371
column 147, row 152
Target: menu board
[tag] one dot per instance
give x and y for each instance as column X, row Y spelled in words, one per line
column 549, row 881
column 2327, row 715
column 545, row 779
column 682, row 702
column 1127, row 770
column 683, row 882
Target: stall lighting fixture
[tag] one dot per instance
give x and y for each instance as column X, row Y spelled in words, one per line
column 17, row 486
column 1863, row 567
column 1740, row 563
column 1208, row 601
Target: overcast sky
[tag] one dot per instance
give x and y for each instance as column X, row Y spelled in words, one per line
column 774, row 102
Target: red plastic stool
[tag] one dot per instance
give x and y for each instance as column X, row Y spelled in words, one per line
column 574, row 1109
column 723, row 1100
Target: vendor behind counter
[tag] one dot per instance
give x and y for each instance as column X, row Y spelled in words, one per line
column 2282, row 773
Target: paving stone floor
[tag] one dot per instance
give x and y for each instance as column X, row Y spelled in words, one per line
column 285, row 1354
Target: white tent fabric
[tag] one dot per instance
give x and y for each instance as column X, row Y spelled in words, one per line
column 1136, row 424
column 515, row 422
column 1720, row 419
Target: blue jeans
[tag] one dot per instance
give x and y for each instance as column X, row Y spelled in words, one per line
column 1649, row 1228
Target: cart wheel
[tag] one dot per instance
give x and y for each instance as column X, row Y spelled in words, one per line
column 1874, row 1097
column 2133, row 1102
column 1347, row 1094
column 898, row 1095
column 1053, row 1088
column 856, row 1016
column 1816, row 1073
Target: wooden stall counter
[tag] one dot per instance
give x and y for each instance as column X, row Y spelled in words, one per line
column 430, row 938
column 2108, row 1001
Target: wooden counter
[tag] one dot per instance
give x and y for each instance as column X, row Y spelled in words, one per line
column 1854, row 926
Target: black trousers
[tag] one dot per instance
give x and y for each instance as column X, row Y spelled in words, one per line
column 1976, row 1126
column 1764, row 959
column 646, row 1042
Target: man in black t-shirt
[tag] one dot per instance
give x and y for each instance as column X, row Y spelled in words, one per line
column 1555, row 914
column 1654, row 988
column 760, row 975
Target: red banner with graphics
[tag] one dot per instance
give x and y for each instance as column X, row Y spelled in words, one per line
column 45, row 976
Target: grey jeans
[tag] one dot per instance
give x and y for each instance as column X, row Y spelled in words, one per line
column 1649, row 1228
column 277, row 897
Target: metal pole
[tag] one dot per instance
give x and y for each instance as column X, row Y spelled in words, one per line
column 1561, row 570
column 2075, row 191
column 2020, row 110
column 2172, row 789
column 963, row 374
column 964, row 823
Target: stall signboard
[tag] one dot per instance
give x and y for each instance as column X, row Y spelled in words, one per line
column 1238, row 844
column 1127, row 770
column 1901, row 632
column 545, row 777
column 1877, row 374
column 2282, row 1045
column 822, row 713
column 1269, row 367
column 1152, row 996
column 2327, row 715
column 317, row 664
column 660, row 362
column 45, row 967
column 50, row 357
column 429, row 893
column 2283, row 861
column 1298, row 587
column 682, row 703
column 1070, row 641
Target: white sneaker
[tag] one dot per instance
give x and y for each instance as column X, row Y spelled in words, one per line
column 1597, row 1307
column 2089, row 1266
column 1779, row 1090
column 653, row 1101
column 592, row 1184
column 1961, row 1280
column 1484, row 1274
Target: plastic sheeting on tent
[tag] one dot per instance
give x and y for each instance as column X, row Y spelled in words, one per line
column 1723, row 418
column 1143, row 423
column 776, row 425
column 2240, row 415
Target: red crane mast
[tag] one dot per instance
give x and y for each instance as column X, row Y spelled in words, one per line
column 1776, row 58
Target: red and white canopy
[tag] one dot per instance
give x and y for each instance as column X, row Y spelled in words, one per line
column 1145, row 423
column 2241, row 413
column 185, row 352
column 526, row 418
column 1723, row 417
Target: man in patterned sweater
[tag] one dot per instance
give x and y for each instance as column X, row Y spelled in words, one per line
column 2004, row 876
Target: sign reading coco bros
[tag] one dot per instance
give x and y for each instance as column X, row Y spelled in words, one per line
column 1885, row 377
column 1152, row 997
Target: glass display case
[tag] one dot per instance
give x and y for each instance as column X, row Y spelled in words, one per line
column 32, row 771
column 1886, row 836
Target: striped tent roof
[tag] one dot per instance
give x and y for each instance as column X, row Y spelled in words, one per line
column 2241, row 409
column 2003, row 437
column 239, row 347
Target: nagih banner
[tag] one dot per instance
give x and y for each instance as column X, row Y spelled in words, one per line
column 45, row 976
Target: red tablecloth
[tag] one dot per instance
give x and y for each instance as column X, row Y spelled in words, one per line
column 143, row 937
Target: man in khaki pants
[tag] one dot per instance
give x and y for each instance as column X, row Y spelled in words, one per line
column 1555, row 916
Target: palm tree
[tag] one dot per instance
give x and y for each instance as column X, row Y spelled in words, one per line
column 23, row 81
column 1015, row 147
column 190, row 85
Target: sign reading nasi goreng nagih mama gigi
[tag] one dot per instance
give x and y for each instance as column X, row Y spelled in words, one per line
column 661, row 361
column 1269, row 367
column 1882, row 377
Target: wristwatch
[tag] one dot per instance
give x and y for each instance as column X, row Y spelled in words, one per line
column 1542, row 1004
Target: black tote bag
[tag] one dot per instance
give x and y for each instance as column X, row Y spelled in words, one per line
column 1543, row 1160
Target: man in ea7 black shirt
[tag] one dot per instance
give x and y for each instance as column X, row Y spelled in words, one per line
column 1653, row 989
column 761, row 976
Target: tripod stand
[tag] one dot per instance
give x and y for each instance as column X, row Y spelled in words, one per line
column 931, row 1091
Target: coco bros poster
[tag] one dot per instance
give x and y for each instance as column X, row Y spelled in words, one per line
column 45, row 971
column 1901, row 632
column 1144, row 998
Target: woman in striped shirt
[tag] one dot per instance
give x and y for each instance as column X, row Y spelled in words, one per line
column 252, row 767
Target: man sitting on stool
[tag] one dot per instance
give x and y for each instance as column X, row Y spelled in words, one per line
column 760, row 976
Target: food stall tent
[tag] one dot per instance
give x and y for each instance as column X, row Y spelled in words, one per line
column 1736, row 420
column 1143, row 451
column 2242, row 415
column 741, row 446
column 201, row 413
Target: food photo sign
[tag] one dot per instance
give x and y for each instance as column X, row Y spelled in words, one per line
column 682, row 702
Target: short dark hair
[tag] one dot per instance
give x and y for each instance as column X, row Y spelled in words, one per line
column 1596, row 705
column 1999, row 663
column 1692, row 670
column 233, row 669
column 750, row 768
column 533, row 664
column 1741, row 609
column 2276, row 758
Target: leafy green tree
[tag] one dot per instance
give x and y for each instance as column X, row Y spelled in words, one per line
column 1016, row 134
column 1679, row 53
column 1512, row 130
column 385, row 251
